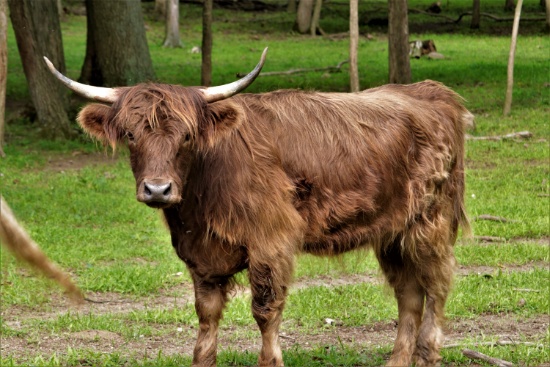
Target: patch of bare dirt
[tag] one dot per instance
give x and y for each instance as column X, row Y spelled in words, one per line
column 172, row 339
column 108, row 302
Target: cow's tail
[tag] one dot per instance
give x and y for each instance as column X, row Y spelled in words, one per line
column 15, row 239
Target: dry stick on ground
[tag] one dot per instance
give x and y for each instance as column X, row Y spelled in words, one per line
column 495, row 218
column 487, row 15
column 494, row 344
column 332, row 69
column 490, row 239
column 491, row 360
column 521, row 134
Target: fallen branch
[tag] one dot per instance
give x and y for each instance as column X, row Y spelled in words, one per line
column 330, row 69
column 491, row 360
column 521, row 134
column 490, row 239
column 526, row 290
column 494, row 344
column 495, row 218
column 469, row 13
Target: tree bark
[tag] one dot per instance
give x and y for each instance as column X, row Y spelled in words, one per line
column 303, row 15
column 476, row 15
column 510, row 78
column 120, row 54
column 206, row 65
column 38, row 33
column 172, row 24
column 398, row 40
column 3, row 69
column 353, row 45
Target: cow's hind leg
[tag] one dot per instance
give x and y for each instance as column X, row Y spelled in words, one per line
column 210, row 299
column 437, row 275
column 269, row 280
column 410, row 302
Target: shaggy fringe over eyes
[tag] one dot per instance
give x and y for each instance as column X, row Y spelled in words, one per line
column 157, row 106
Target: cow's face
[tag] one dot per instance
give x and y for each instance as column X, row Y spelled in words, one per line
column 164, row 127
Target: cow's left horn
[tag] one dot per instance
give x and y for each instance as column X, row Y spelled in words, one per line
column 99, row 94
column 213, row 94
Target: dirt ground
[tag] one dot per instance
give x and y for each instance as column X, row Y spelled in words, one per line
column 172, row 339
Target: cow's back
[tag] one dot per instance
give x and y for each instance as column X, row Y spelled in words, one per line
column 363, row 165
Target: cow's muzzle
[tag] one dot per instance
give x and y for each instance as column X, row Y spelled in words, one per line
column 157, row 193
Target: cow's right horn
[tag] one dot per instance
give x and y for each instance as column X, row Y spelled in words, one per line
column 213, row 94
column 99, row 94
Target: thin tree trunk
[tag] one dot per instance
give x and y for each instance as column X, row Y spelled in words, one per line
column 316, row 17
column 398, row 39
column 476, row 15
column 353, row 45
column 172, row 24
column 38, row 33
column 90, row 72
column 510, row 78
column 3, row 69
column 303, row 15
column 509, row 5
column 206, row 69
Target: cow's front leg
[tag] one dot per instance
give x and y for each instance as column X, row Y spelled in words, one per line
column 210, row 299
column 269, row 281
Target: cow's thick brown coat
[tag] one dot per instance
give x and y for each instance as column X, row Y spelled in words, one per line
column 257, row 178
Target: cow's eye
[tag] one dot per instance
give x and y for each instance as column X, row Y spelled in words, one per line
column 130, row 137
column 187, row 138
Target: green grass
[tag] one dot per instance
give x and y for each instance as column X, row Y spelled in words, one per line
column 88, row 221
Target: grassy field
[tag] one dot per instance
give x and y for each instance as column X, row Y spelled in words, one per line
column 78, row 201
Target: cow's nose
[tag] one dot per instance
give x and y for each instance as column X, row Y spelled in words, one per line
column 156, row 191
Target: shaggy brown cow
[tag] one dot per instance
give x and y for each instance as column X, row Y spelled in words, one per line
column 248, row 182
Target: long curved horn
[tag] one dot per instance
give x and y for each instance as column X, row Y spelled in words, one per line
column 213, row 94
column 99, row 94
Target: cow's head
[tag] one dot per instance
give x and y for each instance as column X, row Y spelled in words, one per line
column 164, row 126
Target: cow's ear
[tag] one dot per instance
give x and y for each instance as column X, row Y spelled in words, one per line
column 93, row 119
column 223, row 117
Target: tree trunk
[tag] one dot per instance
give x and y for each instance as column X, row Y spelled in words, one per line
column 476, row 15
column 38, row 33
column 3, row 69
column 509, row 5
column 303, row 16
column 90, row 72
column 316, row 17
column 398, row 40
column 291, row 6
column 510, row 78
column 353, row 45
column 120, row 54
column 206, row 67
column 172, row 24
